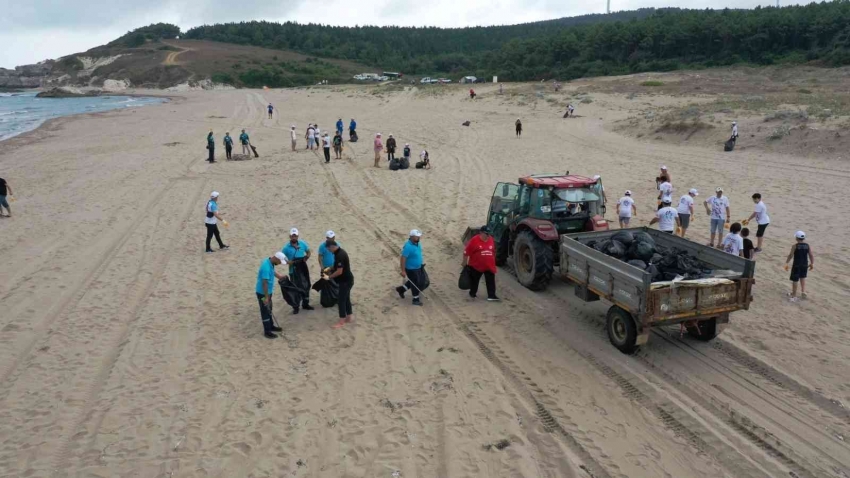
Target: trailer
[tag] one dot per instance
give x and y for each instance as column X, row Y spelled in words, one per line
column 702, row 306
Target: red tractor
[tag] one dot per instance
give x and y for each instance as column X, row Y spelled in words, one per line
column 527, row 220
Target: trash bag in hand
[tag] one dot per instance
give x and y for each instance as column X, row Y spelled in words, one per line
column 328, row 291
column 291, row 293
column 464, row 282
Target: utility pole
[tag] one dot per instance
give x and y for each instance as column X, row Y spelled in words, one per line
column 608, row 10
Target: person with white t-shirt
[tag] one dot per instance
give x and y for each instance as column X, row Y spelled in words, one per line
column 686, row 209
column 760, row 215
column 292, row 137
column 665, row 192
column 211, row 222
column 667, row 217
column 715, row 206
column 733, row 243
column 626, row 209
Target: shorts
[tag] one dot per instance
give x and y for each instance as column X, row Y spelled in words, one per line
column 760, row 231
column 799, row 272
column 685, row 219
column 337, row 149
column 311, row 142
column 3, row 202
column 625, row 219
column 717, row 226
column 293, row 143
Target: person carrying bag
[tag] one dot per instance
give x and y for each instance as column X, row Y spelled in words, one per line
column 479, row 259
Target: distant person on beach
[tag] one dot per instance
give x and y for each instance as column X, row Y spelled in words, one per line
column 266, row 278
column 686, row 210
column 391, row 145
column 228, row 145
column 5, row 190
column 411, row 268
column 345, row 279
column 479, row 255
column 665, row 193
column 471, row 94
column 667, row 217
column 318, row 134
column 211, row 221
column 379, row 147
column 627, row 209
column 733, row 243
column 663, row 177
column 500, row 89
column 804, row 261
column 352, row 129
column 424, row 160
column 406, row 152
column 211, row 147
column 246, row 143
column 293, row 137
column 518, row 127
column 271, row 111
column 337, row 142
column 326, row 145
column 310, row 136
column 761, row 217
column 734, row 131
column 339, row 126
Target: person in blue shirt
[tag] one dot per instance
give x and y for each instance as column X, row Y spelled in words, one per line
column 228, row 144
column 211, row 221
column 246, row 143
column 412, row 268
column 352, row 129
column 266, row 277
column 326, row 257
column 297, row 253
column 271, row 111
column 339, row 126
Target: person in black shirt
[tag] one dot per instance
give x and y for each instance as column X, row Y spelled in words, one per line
column 345, row 279
column 5, row 190
column 748, row 244
column 804, row 261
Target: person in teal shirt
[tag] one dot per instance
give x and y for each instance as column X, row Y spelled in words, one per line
column 298, row 252
column 266, row 277
column 326, row 257
column 228, row 144
column 246, row 142
column 411, row 268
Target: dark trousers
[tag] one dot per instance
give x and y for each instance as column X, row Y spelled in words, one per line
column 212, row 155
column 327, row 155
column 413, row 283
column 390, row 155
column 227, row 150
column 265, row 313
column 212, row 230
column 344, row 299
column 489, row 279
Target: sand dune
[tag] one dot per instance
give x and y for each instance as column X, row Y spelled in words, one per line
column 125, row 351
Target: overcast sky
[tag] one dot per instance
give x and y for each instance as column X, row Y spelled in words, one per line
column 35, row 30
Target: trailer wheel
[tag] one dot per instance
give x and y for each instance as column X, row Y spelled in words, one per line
column 622, row 331
column 704, row 330
column 533, row 259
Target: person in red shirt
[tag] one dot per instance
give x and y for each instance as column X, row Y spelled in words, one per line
column 480, row 255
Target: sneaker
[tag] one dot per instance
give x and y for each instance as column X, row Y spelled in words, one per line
column 295, row 311
column 224, row 247
column 804, row 296
column 209, row 251
column 493, row 299
column 417, row 302
column 269, row 335
column 275, row 328
column 308, row 307
column 401, row 290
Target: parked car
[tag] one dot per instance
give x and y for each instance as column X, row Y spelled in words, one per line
column 444, row 80
column 425, row 80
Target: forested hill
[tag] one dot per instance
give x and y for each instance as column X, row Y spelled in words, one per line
column 588, row 46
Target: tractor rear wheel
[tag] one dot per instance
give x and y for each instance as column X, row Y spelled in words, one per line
column 533, row 261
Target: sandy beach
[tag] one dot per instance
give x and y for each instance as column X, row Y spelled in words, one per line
column 125, row 351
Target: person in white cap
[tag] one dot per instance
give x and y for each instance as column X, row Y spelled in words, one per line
column 686, row 210
column 667, row 217
column 326, row 257
column 411, row 267
column 379, row 147
column 266, row 277
column 665, row 193
column 297, row 253
column 663, row 177
column 626, row 209
column 293, row 137
column 211, row 222
column 716, row 206
column 804, row 261
column 734, row 131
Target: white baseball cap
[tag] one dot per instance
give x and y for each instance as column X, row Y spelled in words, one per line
column 734, row 122
column 280, row 257
column 694, row 192
column 628, row 193
column 664, row 167
column 293, row 232
column 214, row 194
column 666, row 201
column 800, row 235
column 596, row 178
column 330, row 235
column 718, row 189
column 415, row 233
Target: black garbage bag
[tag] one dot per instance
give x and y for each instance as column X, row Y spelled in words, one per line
column 419, row 279
column 464, row 282
column 641, row 236
column 615, row 249
column 656, row 258
column 292, row 294
column 729, row 145
column 653, row 272
column 328, row 291
column 395, row 165
column 626, row 237
column 300, row 275
column 404, row 163
column 602, row 246
column 591, row 244
column 639, row 264
column 420, row 164
column 641, row 251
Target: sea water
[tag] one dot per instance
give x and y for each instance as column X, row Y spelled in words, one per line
column 22, row 112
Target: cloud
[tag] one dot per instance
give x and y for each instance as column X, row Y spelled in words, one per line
column 41, row 29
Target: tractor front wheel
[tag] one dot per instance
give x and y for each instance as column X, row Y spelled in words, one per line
column 533, row 261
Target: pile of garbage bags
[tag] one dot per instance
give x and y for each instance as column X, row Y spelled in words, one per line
column 638, row 249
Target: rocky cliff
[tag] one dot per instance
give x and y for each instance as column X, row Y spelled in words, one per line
column 27, row 76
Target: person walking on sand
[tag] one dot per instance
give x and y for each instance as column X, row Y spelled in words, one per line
column 211, row 221
column 665, row 193
column 424, row 160
column 310, row 136
column 246, row 143
column 297, row 253
column 228, row 145
column 627, row 209
column 337, row 143
column 352, row 129
column 318, row 134
column 734, row 131
column 339, row 126
column 804, row 261
column 341, row 272
column 733, row 243
column 667, row 217
column 518, row 128
column 293, row 137
column 479, row 256
column 5, row 190
column 379, row 147
column 211, row 147
column 471, row 94
column 717, row 207
column 662, row 178
column 761, row 217
column 391, row 145
column 271, row 111
column 266, row 277
column 686, row 210
column 411, row 267
column 326, row 145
